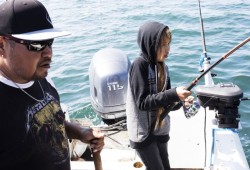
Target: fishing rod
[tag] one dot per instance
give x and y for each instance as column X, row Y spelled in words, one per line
column 202, row 33
column 195, row 81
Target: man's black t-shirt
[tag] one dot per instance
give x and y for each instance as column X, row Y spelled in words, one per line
column 33, row 135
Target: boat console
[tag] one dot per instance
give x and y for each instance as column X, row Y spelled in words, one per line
column 224, row 98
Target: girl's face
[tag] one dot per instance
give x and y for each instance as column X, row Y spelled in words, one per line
column 163, row 50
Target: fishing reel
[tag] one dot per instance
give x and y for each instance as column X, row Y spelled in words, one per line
column 224, row 99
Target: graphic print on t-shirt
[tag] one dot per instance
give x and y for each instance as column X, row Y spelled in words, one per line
column 45, row 120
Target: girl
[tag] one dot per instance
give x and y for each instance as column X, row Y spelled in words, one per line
column 149, row 94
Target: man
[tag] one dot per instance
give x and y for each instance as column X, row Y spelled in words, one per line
column 34, row 133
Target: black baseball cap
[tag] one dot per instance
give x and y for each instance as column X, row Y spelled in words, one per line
column 27, row 20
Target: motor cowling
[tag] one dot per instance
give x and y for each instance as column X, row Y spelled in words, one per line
column 108, row 77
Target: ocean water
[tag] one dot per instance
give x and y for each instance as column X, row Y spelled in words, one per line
column 97, row 24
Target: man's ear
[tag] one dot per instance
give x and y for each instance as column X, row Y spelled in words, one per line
column 1, row 42
column 1, row 46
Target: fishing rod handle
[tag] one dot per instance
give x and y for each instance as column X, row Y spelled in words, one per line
column 171, row 106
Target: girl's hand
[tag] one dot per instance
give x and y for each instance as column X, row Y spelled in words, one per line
column 182, row 93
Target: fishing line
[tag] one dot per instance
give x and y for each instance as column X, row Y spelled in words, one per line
column 205, row 57
column 205, row 139
column 205, row 132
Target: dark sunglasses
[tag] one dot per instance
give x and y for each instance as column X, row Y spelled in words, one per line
column 33, row 45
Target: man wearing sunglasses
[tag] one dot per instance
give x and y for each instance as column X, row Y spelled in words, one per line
column 33, row 130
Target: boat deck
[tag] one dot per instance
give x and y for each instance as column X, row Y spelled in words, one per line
column 193, row 145
column 186, row 145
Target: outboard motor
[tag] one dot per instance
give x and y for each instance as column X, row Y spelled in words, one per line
column 224, row 98
column 108, row 76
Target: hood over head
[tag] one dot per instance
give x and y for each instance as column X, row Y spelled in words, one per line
column 148, row 40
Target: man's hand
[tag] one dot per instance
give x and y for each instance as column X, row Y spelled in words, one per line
column 94, row 137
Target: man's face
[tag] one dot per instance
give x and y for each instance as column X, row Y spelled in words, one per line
column 23, row 65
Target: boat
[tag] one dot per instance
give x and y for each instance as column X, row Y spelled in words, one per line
column 208, row 140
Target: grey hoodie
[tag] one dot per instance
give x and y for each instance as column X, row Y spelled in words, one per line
column 143, row 99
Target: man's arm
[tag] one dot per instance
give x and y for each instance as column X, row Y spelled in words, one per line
column 91, row 136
